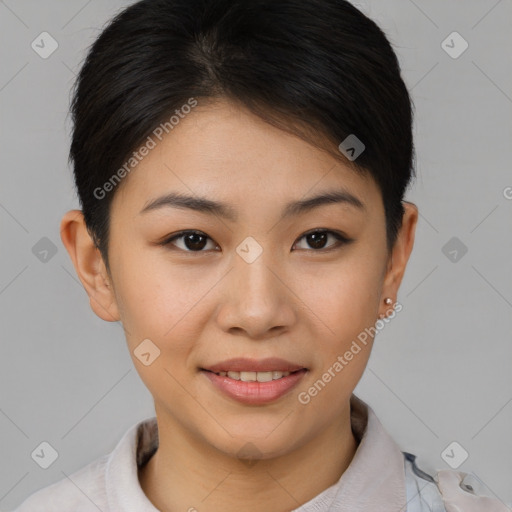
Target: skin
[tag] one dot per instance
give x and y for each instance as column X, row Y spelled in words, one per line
column 295, row 301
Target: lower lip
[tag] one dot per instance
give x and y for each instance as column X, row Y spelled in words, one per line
column 255, row 393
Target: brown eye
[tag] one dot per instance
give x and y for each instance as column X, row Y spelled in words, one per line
column 318, row 238
column 197, row 241
column 193, row 241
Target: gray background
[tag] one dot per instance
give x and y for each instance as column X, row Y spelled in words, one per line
column 439, row 372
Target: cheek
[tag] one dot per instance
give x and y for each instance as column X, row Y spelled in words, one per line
column 158, row 301
column 160, row 304
column 344, row 303
column 343, row 297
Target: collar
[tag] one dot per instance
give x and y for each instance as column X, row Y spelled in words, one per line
column 374, row 480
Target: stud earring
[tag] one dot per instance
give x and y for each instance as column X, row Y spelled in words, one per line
column 388, row 301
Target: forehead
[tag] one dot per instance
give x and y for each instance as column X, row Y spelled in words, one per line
column 223, row 151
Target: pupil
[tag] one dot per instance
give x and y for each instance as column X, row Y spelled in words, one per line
column 191, row 241
column 317, row 240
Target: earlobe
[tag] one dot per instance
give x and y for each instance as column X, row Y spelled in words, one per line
column 89, row 265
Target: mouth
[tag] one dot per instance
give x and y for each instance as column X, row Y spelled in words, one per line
column 254, row 382
column 247, row 367
column 249, row 376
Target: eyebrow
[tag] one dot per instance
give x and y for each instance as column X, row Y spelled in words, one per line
column 208, row 206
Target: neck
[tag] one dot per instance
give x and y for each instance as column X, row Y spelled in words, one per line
column 185, row 473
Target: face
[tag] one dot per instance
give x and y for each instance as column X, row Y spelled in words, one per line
column 254, row 284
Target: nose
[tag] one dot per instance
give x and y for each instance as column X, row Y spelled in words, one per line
column 257, row 300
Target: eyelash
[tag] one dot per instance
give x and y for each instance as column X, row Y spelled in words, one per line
column 341, row 239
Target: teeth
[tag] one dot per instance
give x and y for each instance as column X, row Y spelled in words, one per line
column 255, row 376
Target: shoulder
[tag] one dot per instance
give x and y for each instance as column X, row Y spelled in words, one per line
column 466, row 492
column 109, row 482
column 82, row 491
column 447, row 491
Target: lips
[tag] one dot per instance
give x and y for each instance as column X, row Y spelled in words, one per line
column 242, row 387
column 271, row 364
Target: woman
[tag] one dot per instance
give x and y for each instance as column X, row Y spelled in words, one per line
column 241, row 168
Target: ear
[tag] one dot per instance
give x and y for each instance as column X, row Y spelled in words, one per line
column 400, row 253
column 89, row 265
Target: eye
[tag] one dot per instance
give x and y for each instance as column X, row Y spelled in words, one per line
column 318, row 238
column 196, row 241
column 193, row 241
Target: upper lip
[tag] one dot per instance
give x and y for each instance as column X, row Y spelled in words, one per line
column 271, row 364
